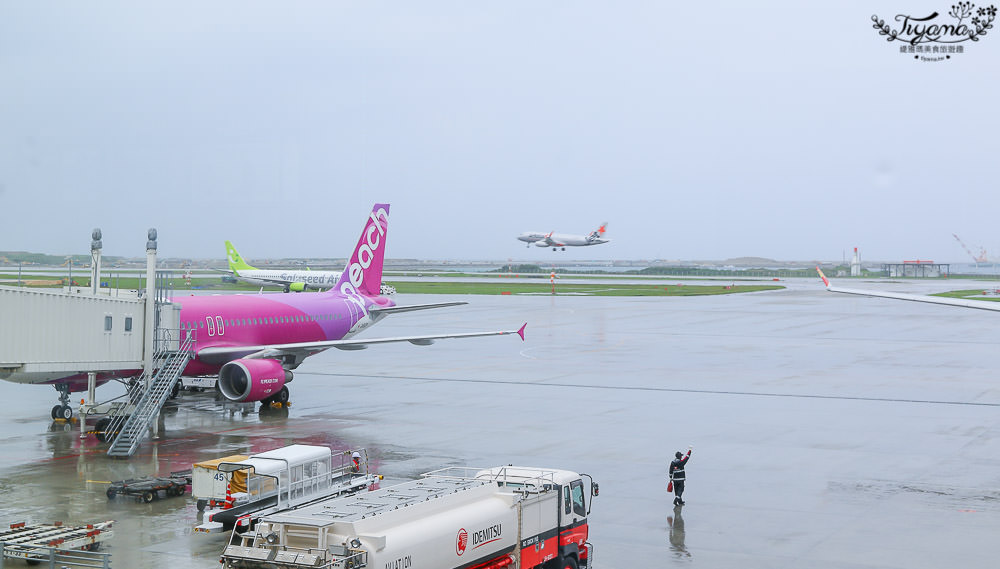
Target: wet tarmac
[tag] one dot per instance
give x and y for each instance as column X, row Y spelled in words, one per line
column 828, row 430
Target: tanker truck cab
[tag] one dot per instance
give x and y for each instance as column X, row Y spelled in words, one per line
column 563, row 543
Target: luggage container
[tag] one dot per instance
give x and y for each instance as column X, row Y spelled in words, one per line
column 209, row 485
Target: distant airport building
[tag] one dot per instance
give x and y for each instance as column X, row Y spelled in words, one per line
column 918, row 269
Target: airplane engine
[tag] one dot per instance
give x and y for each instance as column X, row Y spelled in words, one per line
column 297, row 287
column 542, row 243
column 252, row 379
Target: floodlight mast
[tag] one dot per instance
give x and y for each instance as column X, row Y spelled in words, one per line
column 95, row 260
column 149, row 342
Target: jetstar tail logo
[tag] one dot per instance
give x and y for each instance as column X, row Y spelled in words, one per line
column 461, row 541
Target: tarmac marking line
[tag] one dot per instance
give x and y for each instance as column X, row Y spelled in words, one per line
column 671, row 390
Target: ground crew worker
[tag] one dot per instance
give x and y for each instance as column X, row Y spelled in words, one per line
column 356, row 461
column 677, row 476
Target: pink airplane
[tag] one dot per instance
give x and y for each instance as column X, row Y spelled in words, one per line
column 252, row 342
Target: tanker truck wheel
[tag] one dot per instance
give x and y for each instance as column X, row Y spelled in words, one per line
column 568, row 563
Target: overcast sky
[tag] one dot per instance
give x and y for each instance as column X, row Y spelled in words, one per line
column 788, row 130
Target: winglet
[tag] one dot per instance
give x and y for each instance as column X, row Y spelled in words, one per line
column 520, row 332
column 826, row 281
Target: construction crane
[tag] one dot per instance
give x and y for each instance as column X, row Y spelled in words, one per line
column 981, row 258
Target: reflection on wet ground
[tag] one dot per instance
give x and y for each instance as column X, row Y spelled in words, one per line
column 675, row 522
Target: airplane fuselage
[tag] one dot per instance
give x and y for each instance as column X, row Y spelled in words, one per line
column 559, row 239
column 319, row 280
column 262, row 319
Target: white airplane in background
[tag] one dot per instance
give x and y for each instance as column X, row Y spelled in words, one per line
column 978, row 304
column 562, row 240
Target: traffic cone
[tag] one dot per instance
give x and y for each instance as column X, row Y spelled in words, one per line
column 229, row 497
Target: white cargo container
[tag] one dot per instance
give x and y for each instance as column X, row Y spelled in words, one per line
column 209, row 484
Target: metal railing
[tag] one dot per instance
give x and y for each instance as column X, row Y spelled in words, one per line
column 132, row 429
column 528, row 480
column 261, row 554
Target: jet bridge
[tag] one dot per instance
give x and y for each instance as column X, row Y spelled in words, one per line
column 49, row 335
column 72, row 340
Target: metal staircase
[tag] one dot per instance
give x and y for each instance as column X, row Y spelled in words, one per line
column 132, row 429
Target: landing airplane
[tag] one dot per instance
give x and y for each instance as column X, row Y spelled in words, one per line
column 253, row 342
column 290, row 280
column 978, row 304
column 562, row 240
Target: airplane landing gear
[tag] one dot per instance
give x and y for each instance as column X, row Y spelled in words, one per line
column 63, row 410
column 279, row 397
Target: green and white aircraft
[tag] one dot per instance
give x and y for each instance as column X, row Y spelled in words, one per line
column 291, row 280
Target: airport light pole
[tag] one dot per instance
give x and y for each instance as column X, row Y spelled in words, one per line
column 150, row 342
column 95, row 260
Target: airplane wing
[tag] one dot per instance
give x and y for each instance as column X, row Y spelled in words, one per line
column 547, row 239
column 220, row 354
column 397, row 309
column 978, row 304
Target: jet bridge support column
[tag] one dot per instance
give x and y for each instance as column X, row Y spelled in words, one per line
column 150, row 342
column 91, row 399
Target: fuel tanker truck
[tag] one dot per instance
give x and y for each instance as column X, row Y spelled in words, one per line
column 455, row 518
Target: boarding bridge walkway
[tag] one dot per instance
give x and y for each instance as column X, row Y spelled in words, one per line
column 134, row 428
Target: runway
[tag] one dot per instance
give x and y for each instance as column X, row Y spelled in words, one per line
column 829, row 431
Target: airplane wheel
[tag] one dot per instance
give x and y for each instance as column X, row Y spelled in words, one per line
column 65, row 412
column 55, row 411
column 281, row 396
